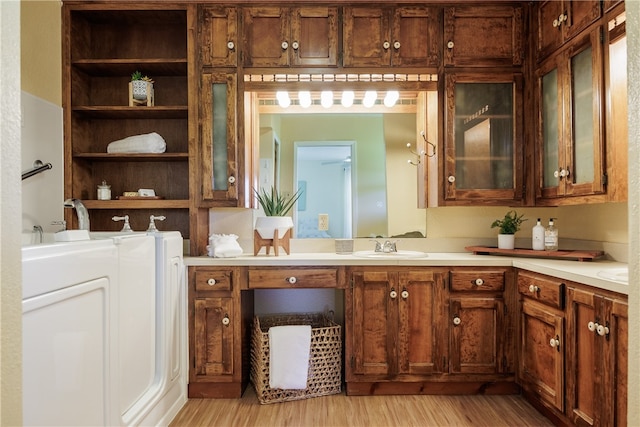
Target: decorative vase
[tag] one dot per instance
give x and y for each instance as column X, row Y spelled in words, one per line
column 266, row 225
column 139, row 89
column 506, row 241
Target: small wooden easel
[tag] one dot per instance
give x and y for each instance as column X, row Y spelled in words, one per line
column 276, row 242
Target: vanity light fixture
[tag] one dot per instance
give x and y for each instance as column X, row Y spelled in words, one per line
column 347, row 98
column 326, row 98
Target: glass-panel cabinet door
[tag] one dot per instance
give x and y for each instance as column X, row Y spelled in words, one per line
column 551, row 130
column 483, row 146
column 218, row 138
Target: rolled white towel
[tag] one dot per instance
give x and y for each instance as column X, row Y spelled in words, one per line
column 145, row 143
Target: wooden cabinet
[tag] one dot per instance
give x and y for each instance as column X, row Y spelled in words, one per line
column 483, row 155
column 570, row 150
column 218, row 328
column 479, row 339
column 281, row 36
column 295, row 278
column 483, row 36
column 597, row 343
column 391, row 36
column 102, row 47
column 221, row 173
column 542, row 338
column 393, row 324
column 218, row 36
column 559, row 21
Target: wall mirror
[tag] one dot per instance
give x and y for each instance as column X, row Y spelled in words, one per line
column 362, row 166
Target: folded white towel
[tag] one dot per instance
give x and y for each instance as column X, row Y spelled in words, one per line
column 224, row 246
column 289, row 349
column 145, row 143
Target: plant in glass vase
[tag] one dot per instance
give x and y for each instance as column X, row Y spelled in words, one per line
column 508, row 227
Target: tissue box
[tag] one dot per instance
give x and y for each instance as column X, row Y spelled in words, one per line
column 325, row 361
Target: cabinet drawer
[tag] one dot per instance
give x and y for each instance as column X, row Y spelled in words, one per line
column 293, row 278
column 208, row 280
column 541, row 288
column 477, row 281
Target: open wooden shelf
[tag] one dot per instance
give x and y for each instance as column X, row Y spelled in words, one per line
column 561, row 254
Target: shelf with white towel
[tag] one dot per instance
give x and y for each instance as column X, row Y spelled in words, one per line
column 133, row 157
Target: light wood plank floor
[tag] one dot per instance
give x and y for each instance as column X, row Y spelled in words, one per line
column 366, row 411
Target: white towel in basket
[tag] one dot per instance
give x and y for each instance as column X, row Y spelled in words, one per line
column 289, row 349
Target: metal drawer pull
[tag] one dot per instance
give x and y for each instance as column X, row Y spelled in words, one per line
column 225, row 320
column 291, row 280
column 533, row 289
column 478, row 282
column 211, row 282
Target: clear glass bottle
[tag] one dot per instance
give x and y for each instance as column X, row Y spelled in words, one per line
column 104, row 191
column 551, row 237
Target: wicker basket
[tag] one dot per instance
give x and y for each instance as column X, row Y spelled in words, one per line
column 325, row 360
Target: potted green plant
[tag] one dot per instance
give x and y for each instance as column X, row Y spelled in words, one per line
column 139, row 84
column 508, row 226
column 276, row 206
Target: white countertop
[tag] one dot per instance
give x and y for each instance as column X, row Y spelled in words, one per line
column 585, row 272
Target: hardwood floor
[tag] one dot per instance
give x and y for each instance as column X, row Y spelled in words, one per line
column 354, row 411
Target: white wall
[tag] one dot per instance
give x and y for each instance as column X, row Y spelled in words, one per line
column 10, row 207
column 42, row 194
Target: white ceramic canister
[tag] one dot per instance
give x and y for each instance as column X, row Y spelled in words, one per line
column 104, row 191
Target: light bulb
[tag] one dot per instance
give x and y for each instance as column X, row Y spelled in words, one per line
column 304, row 97
column 326, row 98
column 283, row 98
column 347, row 98
column 391, row 98
column 369, row 98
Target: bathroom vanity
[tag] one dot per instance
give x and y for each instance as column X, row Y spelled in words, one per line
column 447, row 323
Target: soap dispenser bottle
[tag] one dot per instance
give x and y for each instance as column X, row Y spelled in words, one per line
column 551, row 237
column 537, row 237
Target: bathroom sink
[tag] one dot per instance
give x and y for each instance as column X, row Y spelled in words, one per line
column 617, row 274
column 390, row 255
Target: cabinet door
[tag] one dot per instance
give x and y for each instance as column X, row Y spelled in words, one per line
column 219, row 174
column 366, row 32
column 419, row 322
column 549, row 27
column 218, row 32
column 584, row 353
column 375, row 314
column 571, row 155
column 213, row 334
column 415, row 37
column 476, row 327
column 542, row 353
column 579, row 14
column 266, row 36
column 314, row 36
column 483, row 143
column 615, row 368
column 483, row 36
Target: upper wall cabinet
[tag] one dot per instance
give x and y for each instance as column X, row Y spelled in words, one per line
column 483, row 157
column 281, row 36
column 559, row 21
column 483, row 36
column 382, row 37
column 570, row 154
column 218, row 36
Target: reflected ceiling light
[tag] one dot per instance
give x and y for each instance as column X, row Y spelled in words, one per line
column 391, row 98
column 326, row 98
column 283, row 98
column 347, row 98
column 369, row 98
column 304, row 97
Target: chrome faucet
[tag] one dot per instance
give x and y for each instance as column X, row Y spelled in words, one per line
column 81, row 211
column 387, row 247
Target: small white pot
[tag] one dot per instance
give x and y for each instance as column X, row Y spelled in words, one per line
column 139, row 89
column 266, row 225
column 506, row 241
